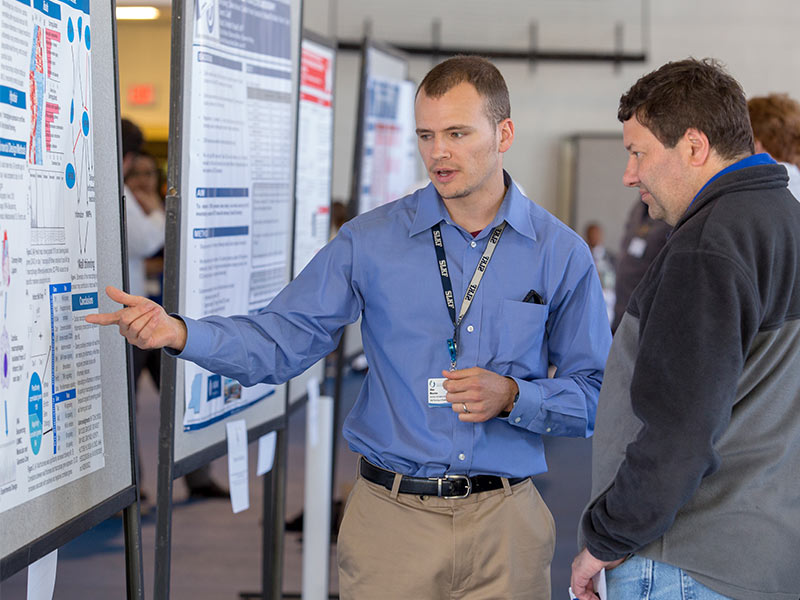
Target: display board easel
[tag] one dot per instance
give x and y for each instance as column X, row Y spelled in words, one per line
column 233, row 98
column 74, row 439
column 314, row 171
column 595, row 164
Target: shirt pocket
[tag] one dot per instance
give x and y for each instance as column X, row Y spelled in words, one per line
column 517, row 343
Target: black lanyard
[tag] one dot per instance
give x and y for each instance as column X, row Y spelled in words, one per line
column 447, row 287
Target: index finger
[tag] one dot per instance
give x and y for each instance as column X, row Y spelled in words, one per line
column 117, row 295
column 103, row 318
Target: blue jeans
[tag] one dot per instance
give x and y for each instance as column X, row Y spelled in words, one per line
column 644, row 579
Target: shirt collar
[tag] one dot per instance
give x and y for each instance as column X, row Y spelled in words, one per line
column 515, row 210
column 749, row 161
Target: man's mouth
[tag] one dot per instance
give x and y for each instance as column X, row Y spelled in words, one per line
column 444, row 175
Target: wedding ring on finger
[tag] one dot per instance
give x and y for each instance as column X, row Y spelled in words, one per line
column 464, row 406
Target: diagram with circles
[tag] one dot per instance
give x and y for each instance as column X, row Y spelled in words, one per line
column 50, row 401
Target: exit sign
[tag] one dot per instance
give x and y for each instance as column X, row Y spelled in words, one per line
column 142, row 94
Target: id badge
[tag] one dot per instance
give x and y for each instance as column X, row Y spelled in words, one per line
column 637, row 247
column 437, row 395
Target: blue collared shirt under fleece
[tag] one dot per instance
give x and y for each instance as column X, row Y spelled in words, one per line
column 382, row 266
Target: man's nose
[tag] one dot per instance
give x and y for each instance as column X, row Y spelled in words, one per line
column 440, row 148
column 630, row 177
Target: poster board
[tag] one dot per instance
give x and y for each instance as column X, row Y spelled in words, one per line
column 230, row 210
column 597, row 162
column 66, row 399
column 312, row 221
column 386, row 160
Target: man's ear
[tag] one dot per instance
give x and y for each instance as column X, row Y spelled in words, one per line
column 506, row 127
column 697, row 146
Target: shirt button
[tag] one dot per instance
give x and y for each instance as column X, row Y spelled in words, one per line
column 548, row 430
column 517, row 420
column 473, row 243
column 470, row 328
column 462, row 456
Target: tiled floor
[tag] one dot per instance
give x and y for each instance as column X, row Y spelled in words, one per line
column 216, row 554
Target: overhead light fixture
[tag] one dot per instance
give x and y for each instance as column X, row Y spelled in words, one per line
column 140, row 13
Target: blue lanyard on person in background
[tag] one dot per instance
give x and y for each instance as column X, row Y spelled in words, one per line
column 447, row 287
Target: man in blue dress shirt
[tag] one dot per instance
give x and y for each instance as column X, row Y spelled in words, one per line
column 467, row 292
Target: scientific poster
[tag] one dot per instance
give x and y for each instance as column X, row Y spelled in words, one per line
column 314, row 153
column 239, row 200
column 389, row 151
column 51, row 422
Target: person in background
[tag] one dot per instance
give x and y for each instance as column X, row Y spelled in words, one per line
column 144, row 181
column 776, row 126
column 467, row 291
column 604, row 262
column 145, row 220
column 642, row 240
column 696, row 449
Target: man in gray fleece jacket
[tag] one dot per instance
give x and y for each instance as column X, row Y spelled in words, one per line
column 695, row 486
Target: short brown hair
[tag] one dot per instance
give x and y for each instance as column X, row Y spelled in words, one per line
column 691, row 93
column 776, row 124
column 478, row 72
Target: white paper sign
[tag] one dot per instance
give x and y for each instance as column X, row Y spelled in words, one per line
column 266, row 452
column 42, row 577
column 238, row 480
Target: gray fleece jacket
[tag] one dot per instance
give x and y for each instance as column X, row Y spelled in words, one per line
column 696, row 455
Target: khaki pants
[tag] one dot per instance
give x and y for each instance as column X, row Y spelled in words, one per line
column 494, row 545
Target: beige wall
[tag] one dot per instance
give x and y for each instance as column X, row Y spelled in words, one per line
column 144, row 55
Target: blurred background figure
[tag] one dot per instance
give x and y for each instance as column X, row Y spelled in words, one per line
column 604, row 263
column 776, row 127
column 144, row 180
column 145, row 220
column 642, row 240
column 338, row 216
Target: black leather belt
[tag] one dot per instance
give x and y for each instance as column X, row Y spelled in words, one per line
column 448, row 486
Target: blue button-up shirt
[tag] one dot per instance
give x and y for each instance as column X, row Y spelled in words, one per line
column 382, row 266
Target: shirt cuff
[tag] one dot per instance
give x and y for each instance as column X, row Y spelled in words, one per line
column 529, row 405
column 196, row 338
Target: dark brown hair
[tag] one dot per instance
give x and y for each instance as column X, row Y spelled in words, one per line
column 691, row 93
column 776, row 124
column 132, row 138
column 478, row 72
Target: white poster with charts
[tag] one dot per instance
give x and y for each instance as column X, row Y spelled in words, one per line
column 51, row 422
column 314, row 153
column 239, row 209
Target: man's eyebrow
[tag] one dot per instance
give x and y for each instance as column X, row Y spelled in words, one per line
column 451, row 128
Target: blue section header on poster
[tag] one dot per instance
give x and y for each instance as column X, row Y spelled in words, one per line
column 12, row 97
column 81, row 5
column 48, row 7
column 84, row 301
column 212, row 232
column 220, row 61
column 13, row 148
column 60, row 288
column 223, row 192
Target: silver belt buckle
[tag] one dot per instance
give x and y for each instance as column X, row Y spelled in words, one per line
column 454, row 478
